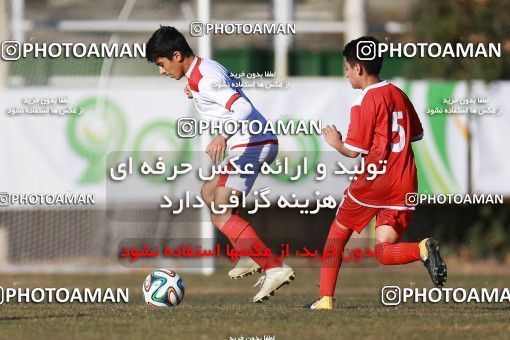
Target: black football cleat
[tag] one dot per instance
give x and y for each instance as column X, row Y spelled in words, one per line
column 433, row 261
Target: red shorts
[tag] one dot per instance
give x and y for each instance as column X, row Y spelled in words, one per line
column 355, row 216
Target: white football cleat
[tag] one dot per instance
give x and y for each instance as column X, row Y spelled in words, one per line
column 245, row 266
column 274, row 279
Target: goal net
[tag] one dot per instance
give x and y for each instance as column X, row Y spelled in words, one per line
column 59, row 154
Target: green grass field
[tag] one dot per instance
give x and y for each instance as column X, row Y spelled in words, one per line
column 218, row 308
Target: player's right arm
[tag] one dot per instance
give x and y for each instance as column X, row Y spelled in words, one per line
column 216, row 149
column 334, row 138
column 416, row 127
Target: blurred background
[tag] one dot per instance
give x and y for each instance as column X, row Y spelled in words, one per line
column 129, row 107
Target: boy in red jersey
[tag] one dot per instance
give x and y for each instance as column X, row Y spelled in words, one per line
column 383, row 124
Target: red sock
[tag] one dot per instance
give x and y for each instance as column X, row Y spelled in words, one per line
column 397, row 253
column 243, row 238
column 337, row 239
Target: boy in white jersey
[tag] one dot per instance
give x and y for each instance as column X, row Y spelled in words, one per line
column 168, row 49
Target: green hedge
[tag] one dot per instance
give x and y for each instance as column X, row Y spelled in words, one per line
column 301, row 63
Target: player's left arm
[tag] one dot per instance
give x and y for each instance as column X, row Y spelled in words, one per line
column 334, row 138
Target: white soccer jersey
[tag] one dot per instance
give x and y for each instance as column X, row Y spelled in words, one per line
column 213, row 100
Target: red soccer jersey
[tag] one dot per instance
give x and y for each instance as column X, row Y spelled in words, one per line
column 382, row 126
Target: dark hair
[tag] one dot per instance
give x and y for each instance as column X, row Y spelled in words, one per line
column 164, row 42
column 351, row 50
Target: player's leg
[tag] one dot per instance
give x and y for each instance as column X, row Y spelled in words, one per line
column 390, row 227
column 391, row 252
column 207, row 191
column 337, row 239
column 245, row 266
column 254, row 156
column 350, row 217
column 238, row 230
column 244, row 238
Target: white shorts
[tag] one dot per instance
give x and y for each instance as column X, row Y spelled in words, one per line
column 257, row 154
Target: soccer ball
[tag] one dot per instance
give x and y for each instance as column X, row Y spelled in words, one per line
column 163, row 288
